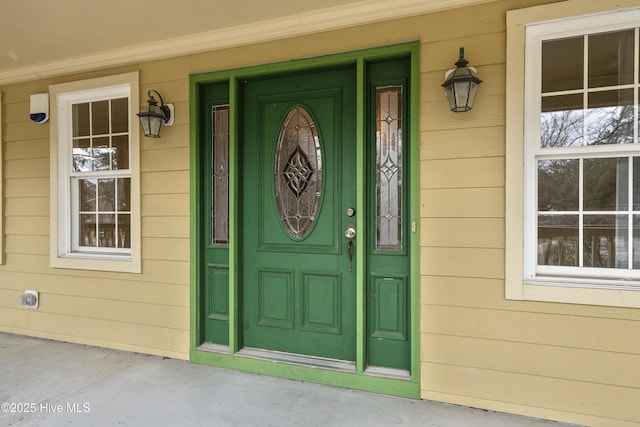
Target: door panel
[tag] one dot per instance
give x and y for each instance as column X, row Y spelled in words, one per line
column 215, row 236
column 389, row 308
column 298, row 292
column 388, row 290
column 322, row 303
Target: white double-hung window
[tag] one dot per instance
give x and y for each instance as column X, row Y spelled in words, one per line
column 95, row 221
column 580, row 163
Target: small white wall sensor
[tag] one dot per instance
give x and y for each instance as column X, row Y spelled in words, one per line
column 39, row 107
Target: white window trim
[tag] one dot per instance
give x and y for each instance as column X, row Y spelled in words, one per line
column 62, row 253
column 517, row 286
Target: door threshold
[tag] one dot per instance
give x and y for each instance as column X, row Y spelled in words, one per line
column 298, row 359
column 392, row 373
column 213, row 348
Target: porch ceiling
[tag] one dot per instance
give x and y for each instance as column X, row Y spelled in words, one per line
column 41, row 38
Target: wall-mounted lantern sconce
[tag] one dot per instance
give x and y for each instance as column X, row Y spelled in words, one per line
column 461, row 85
column 154, row 117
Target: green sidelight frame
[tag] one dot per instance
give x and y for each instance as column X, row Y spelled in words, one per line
column 358, row 380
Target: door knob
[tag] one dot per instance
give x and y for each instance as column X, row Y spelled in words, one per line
column 350, row 232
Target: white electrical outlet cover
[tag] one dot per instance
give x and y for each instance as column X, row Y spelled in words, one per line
column 33, row 294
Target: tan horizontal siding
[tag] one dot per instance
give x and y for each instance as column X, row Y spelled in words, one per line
column 18, row 132
column 176, row 136
column 170, row 227
column 142, row 312
column 171, row 272
column 27, row 244
column 27, row 168
column 153, row 339
column 558, row 361
column 27, row 225
column 462, row 173
column 462, row 143
column 535, row 328
column 463, row 262
column 157, row 293
column 165, row 182
column 489, row 111
column 169, row 249
column 170, row 159
column 32, row 149
column 552, row 361
column 116, row 310
column 27, row 187
column 488, row 294
column 558, row 394
column 462, row 203
column 462, row 232
column 26, row 206
column 568, row 362
column 165, row 205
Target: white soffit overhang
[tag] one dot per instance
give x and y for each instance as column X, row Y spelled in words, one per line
column 294, row 25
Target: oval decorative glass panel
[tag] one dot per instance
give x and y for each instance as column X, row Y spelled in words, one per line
column 298, row 172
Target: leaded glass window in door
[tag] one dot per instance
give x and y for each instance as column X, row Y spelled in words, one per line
column 220, row 174
column 389, row 167
column 298, row 172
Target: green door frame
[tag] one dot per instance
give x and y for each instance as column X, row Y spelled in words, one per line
column 229, row 359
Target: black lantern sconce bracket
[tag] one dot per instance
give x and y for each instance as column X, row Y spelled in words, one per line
column 153, row 116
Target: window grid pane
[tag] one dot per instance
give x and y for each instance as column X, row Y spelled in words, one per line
column 602, row 228
column 105, row 213
column 588, row 202
column 589, row 95
column 100, row 172
column 100, row 136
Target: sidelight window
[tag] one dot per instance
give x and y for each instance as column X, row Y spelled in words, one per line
column 220, row 174
column 389, row 167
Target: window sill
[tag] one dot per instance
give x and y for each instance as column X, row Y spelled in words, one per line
column 105, row 256
column 98, row 262
column 580, row 294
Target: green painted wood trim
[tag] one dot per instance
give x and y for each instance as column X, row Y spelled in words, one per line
column 408, row 389
column 331, row 60
column 234, row 230
column 195, row 190
column 414, row 200
column 356, row 381
column 361, row 241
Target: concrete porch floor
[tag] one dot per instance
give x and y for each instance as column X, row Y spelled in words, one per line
column 50, row 383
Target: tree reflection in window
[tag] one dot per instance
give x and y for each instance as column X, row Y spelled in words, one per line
column 101, row 135
column 588, row 195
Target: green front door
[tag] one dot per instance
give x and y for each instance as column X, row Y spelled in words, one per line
column 298, row 198
column 291, row 158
